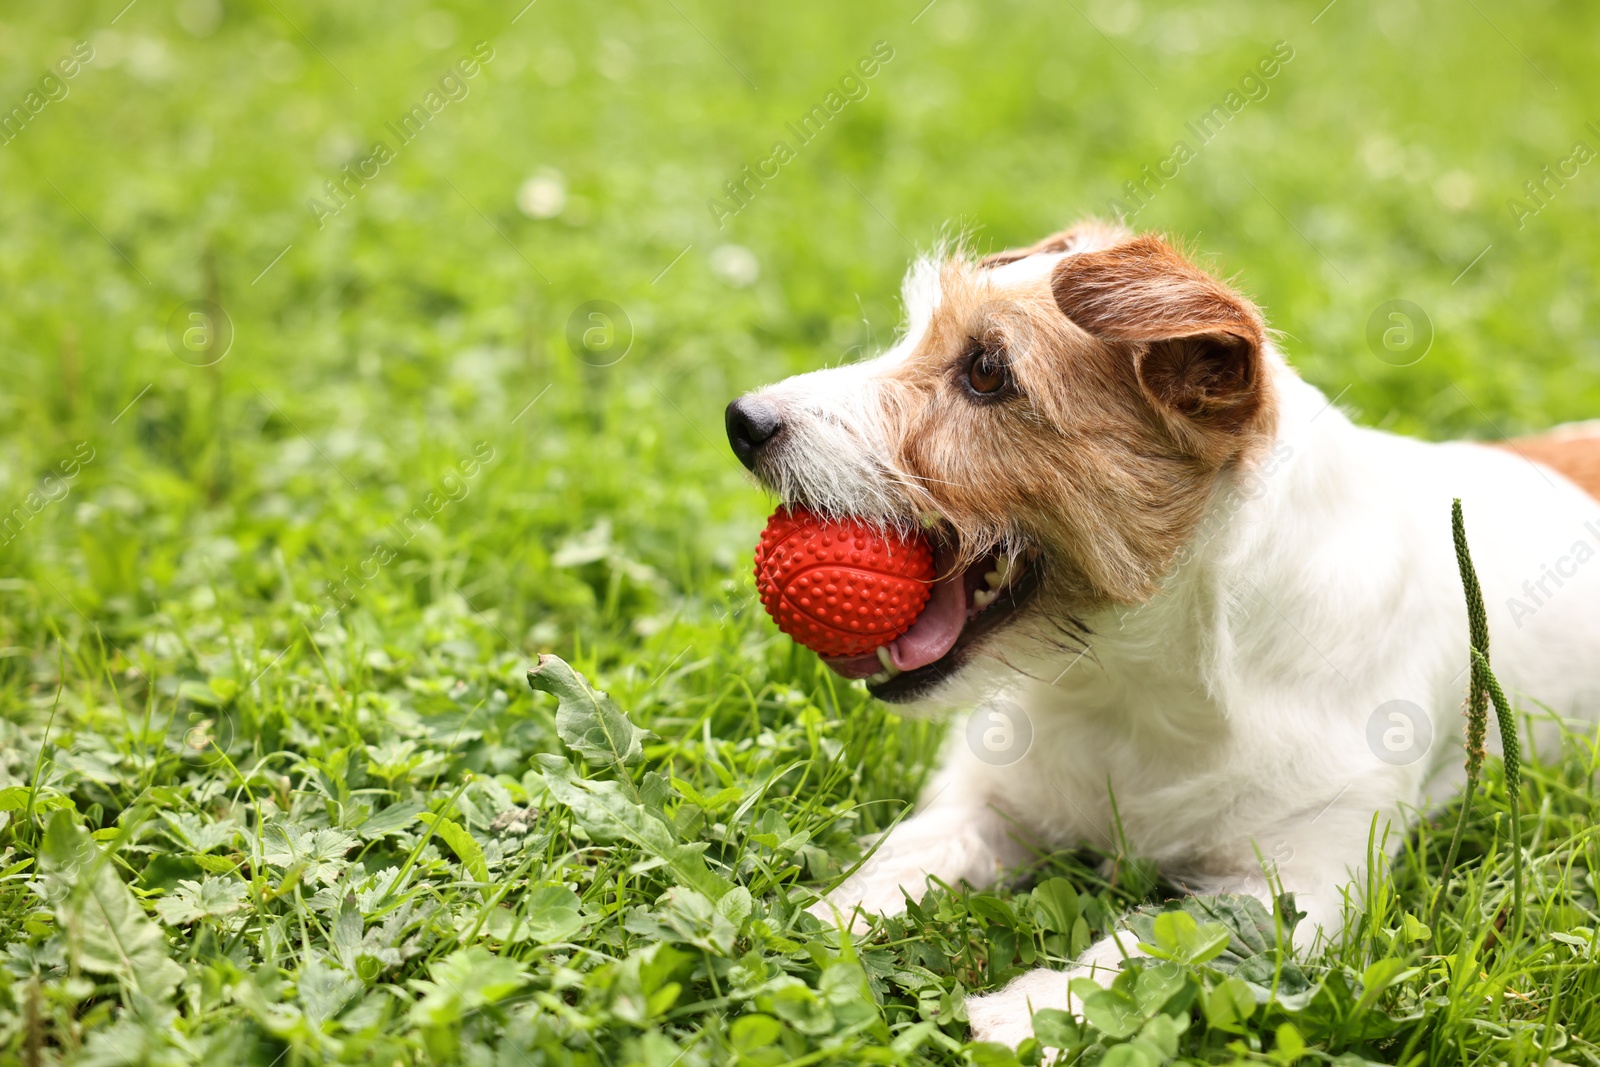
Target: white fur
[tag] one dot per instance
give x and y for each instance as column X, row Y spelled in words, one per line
column 1229, row 714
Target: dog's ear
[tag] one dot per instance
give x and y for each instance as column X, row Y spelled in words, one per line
column 1197, row 345
column 1085, row 235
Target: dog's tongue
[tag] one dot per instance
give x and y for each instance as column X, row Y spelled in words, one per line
column 936, row 629
column 931, row 636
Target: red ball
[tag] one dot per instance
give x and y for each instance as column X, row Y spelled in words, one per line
column 841, row 587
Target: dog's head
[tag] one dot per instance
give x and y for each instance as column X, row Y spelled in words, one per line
column 1056, row 417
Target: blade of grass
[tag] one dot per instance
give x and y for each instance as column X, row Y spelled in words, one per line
column 1477, row 709
column 1513, row 764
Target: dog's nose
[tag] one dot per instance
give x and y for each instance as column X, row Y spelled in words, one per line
column 751, row 424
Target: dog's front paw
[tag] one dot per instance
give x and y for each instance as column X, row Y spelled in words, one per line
column 1006, row 1017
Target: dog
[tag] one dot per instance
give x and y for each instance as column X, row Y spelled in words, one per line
column 1174, row 578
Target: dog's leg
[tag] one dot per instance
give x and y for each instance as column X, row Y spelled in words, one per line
column 1006, row 1017
column 1319, row 867
column 954, row 839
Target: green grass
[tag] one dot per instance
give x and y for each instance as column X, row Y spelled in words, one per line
column 236, row 681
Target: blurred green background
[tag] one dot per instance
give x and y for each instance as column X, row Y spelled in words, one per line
column 398, row 454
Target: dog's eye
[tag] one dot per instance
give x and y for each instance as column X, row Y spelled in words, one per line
column 987, row 375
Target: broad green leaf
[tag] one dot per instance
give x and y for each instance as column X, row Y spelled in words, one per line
column 1131, row 1055
column 1413, row 928
column 644, row 984
column 1158, row 984
column 721, row 799
column 992, row 910
column 685, row 917
column 319, row 853
column 1290, row 1044
column 197, row 832
column 990, row 1054
column 607, row 814
column 348, row 927
column 1230, row 1005
column 1081, row 938
column 199, row 900
column 736, row 905
column 107, row 932
column 1057, row 1029
column 795, row 1003
column 1252, row 928
column 551, row 913
column 325, row 990
column 658, row 965
column 461, row 842
column 1055, row 905
column 1178, row 937
column 467, row 979
column 1084, row 988
column 586, row 719
column 1162, row 1033
column 478, row 976
column 844, row 986
column 394, row 818
column 1272, row 974
column 754, row 1031
column 1112, row 1013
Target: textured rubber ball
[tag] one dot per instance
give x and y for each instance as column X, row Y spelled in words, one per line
column 839, row 586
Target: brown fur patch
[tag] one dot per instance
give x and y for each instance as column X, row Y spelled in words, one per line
column 1197, row 345
column 1122, row 420
column 1575, row 454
